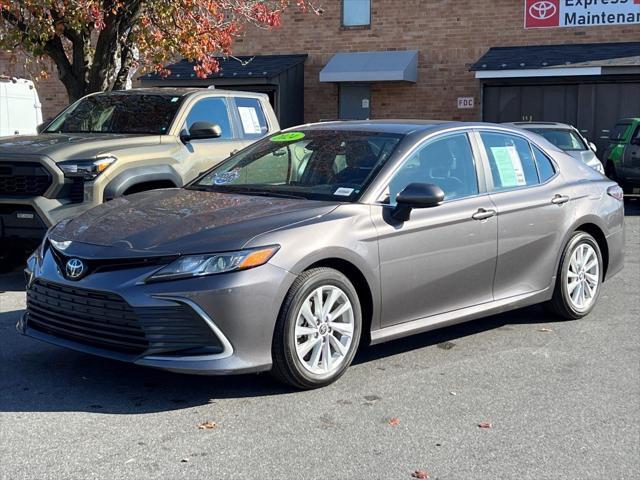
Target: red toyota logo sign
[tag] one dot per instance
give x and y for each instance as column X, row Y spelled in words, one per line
column 541, row 13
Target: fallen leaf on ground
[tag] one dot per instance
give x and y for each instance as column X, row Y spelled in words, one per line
column 420, row 474
column 207, row 425
column 395, row 421
column 485, row 425
column 544, row 329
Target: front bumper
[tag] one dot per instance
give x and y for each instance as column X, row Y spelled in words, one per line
column 29, row 218
column 239, row 308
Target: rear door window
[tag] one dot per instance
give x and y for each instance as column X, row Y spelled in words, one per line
column 253, row 122
column 511, row 161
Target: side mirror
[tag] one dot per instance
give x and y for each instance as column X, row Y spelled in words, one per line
column 593, row 147
column 201, row 131
column 417, row 195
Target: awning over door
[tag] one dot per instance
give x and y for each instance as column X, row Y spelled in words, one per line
column 389, row 66
column 560, row 60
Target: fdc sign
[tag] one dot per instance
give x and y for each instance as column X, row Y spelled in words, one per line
column 580, row 13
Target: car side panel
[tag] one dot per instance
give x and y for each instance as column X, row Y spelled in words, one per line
column 438, row 261
column 346, row 234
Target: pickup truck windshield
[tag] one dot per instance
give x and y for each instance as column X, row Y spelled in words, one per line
column 118, row 113
column 313, row 164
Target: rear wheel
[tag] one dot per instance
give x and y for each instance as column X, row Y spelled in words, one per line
column 318, row 330
column 579, row 278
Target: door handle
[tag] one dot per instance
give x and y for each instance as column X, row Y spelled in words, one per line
column 483, row 214
column 560, row 199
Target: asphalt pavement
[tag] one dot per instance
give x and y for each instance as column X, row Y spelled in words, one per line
column 562, row 400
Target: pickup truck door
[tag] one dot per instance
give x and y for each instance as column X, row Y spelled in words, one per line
column 200, row 155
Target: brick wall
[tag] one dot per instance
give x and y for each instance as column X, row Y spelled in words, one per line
column 449, row 35
column 52, row 93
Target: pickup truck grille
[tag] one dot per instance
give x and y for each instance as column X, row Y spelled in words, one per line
column 22, row 179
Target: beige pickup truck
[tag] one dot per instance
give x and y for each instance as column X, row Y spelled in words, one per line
column 117, row 143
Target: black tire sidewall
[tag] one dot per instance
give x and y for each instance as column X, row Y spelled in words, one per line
column 315, row 279
column 579, row 239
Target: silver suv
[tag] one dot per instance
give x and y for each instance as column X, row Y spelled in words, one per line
column 111, row 144
column 567, row 138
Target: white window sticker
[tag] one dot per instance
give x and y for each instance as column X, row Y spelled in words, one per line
column 343, row 192
column 509, row 166
column 249, row 118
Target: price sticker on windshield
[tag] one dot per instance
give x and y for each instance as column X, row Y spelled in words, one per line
column 288, row 137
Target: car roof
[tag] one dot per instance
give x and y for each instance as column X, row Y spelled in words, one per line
column 180, row 92
column 401, row 126
column 383, row 126
column 542, row 125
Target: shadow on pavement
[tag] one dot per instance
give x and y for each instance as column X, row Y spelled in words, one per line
column 632, row 205
column 12, row 282
column 35, row 376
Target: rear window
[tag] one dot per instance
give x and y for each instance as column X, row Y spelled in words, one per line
column 252, row 119
column 618, row 133
column 566, row 140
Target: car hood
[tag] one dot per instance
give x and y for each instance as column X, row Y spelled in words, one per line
column 70, row 146
column 179, row 221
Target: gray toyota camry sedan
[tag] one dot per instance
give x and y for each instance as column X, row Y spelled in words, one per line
column 296, row 250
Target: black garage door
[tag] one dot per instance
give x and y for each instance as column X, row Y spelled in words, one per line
column 593, row 108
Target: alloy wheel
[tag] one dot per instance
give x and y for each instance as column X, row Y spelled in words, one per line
column 583, row 276
column 324, row 330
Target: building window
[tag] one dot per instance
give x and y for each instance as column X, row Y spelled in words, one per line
column 356, row 13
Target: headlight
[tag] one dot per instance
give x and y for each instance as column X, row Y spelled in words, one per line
column 211, row 264
column 88, row 169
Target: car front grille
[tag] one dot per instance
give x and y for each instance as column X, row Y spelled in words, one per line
column 105, row 320
column 22, row 179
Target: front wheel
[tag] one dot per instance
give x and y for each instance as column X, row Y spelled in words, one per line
column 318, row 329
column 579, row 278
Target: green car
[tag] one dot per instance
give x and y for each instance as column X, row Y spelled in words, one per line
column 622, row 158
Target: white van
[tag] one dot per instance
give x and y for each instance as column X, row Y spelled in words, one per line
column 20, row 108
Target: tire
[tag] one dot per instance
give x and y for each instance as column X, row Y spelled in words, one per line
column 572, row 277
column 300, row 342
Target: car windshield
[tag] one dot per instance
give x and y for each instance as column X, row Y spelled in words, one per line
column 118, row 113
column 566, row 140
column 617, row 135
column 312, row 164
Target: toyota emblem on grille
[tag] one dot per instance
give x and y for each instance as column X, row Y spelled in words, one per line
column 74, row 268
column 542, row 10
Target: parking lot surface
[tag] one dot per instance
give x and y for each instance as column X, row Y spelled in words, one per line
column 562, row 400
